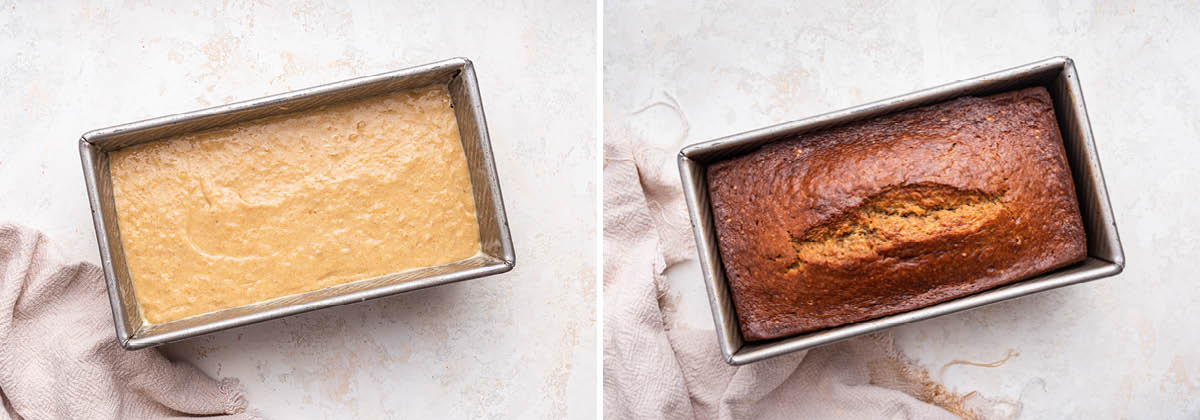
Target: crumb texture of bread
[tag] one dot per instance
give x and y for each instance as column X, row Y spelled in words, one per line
column 895, row 213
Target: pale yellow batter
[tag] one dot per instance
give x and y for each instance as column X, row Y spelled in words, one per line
column 289, row 204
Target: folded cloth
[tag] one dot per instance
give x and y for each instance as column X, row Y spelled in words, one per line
column 60, row 360
column 654, row 371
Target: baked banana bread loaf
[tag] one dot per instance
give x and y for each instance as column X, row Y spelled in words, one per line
column 895, row 213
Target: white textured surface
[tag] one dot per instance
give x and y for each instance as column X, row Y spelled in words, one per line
column 1122, row 347
column 519, row 345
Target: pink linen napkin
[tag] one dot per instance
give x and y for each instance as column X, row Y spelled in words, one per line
column 59, row 358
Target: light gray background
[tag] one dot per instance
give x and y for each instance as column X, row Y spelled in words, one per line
column 1122, row 347
column 519, row 345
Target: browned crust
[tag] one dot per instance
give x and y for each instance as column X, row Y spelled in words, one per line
column 1005, row 148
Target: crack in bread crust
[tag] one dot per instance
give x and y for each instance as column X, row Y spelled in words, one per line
column 894, row 217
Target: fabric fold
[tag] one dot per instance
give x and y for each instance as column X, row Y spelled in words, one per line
column 60, row 360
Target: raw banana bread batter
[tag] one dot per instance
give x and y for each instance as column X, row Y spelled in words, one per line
column 294, row 203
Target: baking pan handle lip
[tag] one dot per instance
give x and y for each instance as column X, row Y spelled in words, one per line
column 460, row 61
column 687, row 151
column 97, row 135
column 738, row 360
column 730, row 359
column 134, row 344
column 692, row 150
column 509, row 261
column 127, row 344
column 1116, row 267
column 89, row 136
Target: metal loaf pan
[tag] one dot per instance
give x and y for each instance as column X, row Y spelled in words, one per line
column 457, row 74
column 1105, row 256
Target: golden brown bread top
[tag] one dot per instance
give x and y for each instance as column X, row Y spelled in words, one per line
column 894, row 213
